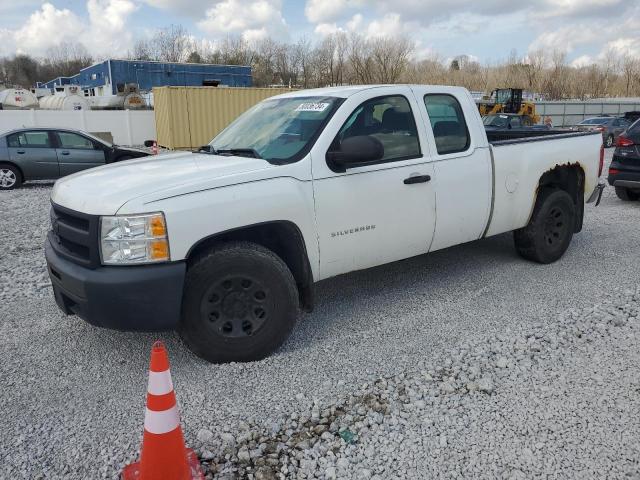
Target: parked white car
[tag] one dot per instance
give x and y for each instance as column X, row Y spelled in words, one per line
column 225, row 245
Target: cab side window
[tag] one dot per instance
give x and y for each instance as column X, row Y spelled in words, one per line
column 390, row 120
column 29, row 139
column 447, row 121
column 73, row 140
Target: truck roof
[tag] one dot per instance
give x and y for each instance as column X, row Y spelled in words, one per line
column 348, row 90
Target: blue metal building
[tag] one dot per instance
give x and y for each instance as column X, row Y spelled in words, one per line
column 56, row 82
column 110, row 76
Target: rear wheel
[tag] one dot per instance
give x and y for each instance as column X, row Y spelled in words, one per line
column 10, row 177
column 550, row 230
column 609, row 141
column 626, row 194
column 240, row 303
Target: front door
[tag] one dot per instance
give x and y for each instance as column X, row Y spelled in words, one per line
column 33, row 152
column 77, row 152
column 374, row 214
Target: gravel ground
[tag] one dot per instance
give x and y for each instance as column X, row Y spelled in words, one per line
column 468, row 362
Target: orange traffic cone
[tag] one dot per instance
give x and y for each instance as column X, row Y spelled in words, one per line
column 164, row 455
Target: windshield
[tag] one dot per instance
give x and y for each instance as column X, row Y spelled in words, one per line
column 279, row 130
column 496, row 120
column 595, row 121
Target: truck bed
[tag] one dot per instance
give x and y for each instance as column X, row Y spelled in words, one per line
column 509, row 137
column 520, row 158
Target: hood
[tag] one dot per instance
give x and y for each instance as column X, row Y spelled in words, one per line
column 103, row 190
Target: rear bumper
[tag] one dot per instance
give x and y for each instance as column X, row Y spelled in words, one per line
column 133, row 298
column 627, row 183
column 628, row 179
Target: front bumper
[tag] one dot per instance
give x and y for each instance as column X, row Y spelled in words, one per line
column 133, row 298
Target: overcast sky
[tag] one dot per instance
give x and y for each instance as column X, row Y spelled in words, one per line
column 486, row 29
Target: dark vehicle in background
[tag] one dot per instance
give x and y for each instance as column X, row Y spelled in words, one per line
column 50, row 153
column 611, row 128
column 624, row 171
column 632, row 116
column 502, row 121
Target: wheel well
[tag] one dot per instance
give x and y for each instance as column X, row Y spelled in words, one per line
column 281, row 237
column 569, row 178
column 15, row 166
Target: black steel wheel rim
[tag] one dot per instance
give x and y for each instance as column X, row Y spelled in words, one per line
column 555, row 227
column 236, row 306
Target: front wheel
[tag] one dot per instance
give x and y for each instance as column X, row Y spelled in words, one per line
column 240, row 303
column 550, row 230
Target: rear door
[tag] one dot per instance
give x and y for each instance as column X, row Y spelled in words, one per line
column 462, row 165
column 33, row 152
column 76, row 152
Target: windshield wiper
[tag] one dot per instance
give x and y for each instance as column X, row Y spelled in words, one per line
column 240, row 152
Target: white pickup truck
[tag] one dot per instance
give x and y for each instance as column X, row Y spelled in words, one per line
column 225, row 244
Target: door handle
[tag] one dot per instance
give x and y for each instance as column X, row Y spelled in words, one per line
column 64, row 153
column 416, row 179
column 20, row 152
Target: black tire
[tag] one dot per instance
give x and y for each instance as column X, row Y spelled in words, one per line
column 240, row 303
column 10, row 177
column 609, row 141
column 550, row 230
column 626, row 194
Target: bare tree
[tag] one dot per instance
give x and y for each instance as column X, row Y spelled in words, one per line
column 171, row 44
column 19, row 71
column 64, row 60
column 390, row 57
column 630, row 72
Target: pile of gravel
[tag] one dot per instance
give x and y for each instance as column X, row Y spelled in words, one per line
column 527, row 403
column 24, row 215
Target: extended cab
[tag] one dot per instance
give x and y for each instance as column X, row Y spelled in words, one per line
column 225, row 245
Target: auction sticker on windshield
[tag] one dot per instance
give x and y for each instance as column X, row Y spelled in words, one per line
column 312, row 107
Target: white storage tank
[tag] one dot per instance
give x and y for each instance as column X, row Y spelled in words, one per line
column 128, row 98
column 17, row 99
column 65, row 98
column 130, row 101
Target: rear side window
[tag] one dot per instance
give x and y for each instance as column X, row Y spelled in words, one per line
column 73, row 140
column 447, row 121
column 29, row 139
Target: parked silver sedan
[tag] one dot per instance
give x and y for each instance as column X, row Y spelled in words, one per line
column 48, row 153
column 611, row 128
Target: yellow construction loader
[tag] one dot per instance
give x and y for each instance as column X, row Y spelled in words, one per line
column 508, row 100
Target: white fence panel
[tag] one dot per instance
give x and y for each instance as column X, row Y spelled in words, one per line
column 128, row 127
column 573, row 112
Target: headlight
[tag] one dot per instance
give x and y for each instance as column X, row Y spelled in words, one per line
column 131, row 239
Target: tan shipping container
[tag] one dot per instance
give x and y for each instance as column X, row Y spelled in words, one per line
column 189, row 117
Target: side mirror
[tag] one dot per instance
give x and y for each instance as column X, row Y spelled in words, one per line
column 149, row 143
column 354, row 152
